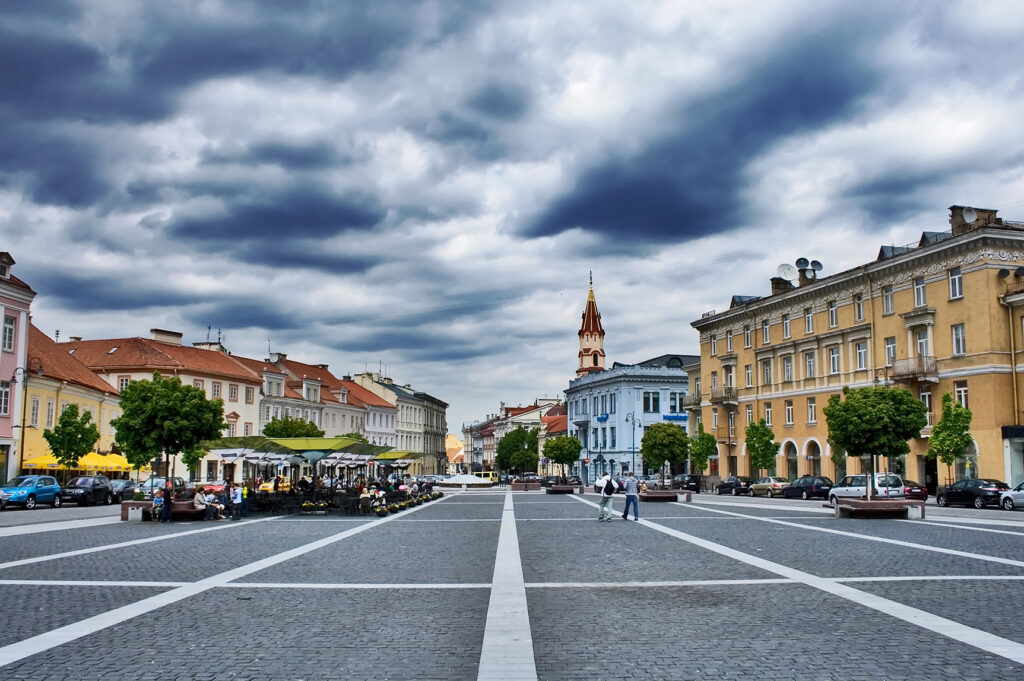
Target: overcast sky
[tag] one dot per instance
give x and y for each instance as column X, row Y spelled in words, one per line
column 425, row 186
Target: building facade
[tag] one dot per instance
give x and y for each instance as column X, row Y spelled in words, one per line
column 945, row 314
column 16, row 300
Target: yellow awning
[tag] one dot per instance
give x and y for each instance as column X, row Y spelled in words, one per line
column 44, row 461
column 92, row 462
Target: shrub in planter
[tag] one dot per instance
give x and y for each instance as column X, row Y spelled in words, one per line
column 419, row 500
column 382, row 511
column 394, row 508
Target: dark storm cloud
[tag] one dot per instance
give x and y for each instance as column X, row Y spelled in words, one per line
column 688, row 183
column 504, row 101
column 295, row 213
column 246, row 313
column 415, row 345
column 894, row 196
column 88, row 292
column 308, row 254
column 296, row 156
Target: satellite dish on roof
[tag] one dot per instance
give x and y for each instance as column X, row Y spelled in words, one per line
column 970, row 215
column 1019, row 271
column 1004, row 273
column 801, row 263
column 816, row 266
column 786, row 271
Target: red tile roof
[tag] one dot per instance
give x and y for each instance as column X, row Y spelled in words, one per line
column 591, row 317
column 556, row 423
column 143, row 353
column 58, row 364
column 365, row 396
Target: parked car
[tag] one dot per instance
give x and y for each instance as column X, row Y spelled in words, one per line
column 734, row 484
column 156, row 482
column 29, row 490
column 124, row 490
column 978, row 492
column 88, row 489
column 575, row 480
column 770, row 486
column 914, row 490
column 888, row 485
column 283, row 485
column 549, row 480
column 807, row 487
column 692, row 483
column 1012, row 498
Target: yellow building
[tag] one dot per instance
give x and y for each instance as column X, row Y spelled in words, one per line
column 941, row 315
column 55, row 380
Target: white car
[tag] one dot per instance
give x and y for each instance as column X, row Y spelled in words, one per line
column 1012, row 498
column 887, row 485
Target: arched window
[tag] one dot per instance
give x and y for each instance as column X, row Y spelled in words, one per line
column 595, row 359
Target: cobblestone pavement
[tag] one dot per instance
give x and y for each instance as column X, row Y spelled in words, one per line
column 720, row 588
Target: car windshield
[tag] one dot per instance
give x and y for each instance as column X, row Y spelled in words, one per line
column 21, row 481
column 80, row 482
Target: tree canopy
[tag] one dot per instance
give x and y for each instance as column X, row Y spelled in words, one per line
column 515, row 442
column 664, row 442
column 358, row 437
column 286, row 426
column 702, row 448
column 73, row 436
column 163, row 416
column 563, row 450
column 950, row 437
column 761, row 446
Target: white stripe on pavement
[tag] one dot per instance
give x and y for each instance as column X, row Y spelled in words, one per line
column 57, row 526
column 507, row 651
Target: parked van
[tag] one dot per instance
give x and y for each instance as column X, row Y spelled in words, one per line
column 487, row 475
column 887, row 485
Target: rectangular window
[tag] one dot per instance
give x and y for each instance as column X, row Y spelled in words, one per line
column 746, row 336
column 714, row 345
column 8, row 339
column 890, row 350
column 33, row 418
column 750, row 414
column 959, row 340
column 250, row 395
column 247, row 428
column 862, row 355
column 123, row 382
column 809, row 365
column 789, row 412
column 675, row 403
column 728, row 341
column 50, row 406
column 604, row 404
column 197, row 383
column 5, row 398
column 611, row 403
column 749, row 371
column 920, row 300
column 714, row 419
column 858, row 307
column 888, row 301
column 812, row 410
column 651, row 402
column 766, row 372
column 833, row 314
column 809, row 320
column 787, row 368
column 714, row 379
column 926, row 398
column 923, row 346
column 232, row 392
column 215, row 389
column 956, row 283
column 765, row 332
column 604, row 438
column 768, row 413
column 960, row 393
column 611, row 437
column 595, row 440
column 785, row 326
column 833, row 360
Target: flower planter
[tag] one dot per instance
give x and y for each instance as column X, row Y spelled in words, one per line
column 560, row 489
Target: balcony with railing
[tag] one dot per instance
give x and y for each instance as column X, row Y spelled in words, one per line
column 920, row 367
column 725, row 433
column 691, row 400
column 723, row 394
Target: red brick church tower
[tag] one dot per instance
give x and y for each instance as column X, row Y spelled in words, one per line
column 591, row 337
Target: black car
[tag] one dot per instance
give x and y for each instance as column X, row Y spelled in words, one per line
column 692, row 483
column 734, row 484
column 807, row 487
column 977, row 492
column 575, row 480
column 549, row 480
column 88, row 489
column 124, row 490
column 178, row 487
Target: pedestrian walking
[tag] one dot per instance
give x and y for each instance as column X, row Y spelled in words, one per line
column 165, row 512
column 608, row 487
column 632, row 497
column 236, row 502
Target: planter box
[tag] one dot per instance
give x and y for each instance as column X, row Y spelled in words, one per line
column 880, row 508
column 660, row 495
column 525, row 486
column 561, row 489
column 127, row 505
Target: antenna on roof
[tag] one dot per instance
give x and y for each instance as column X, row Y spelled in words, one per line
column 268, row 347
column 220, row 336
column 56, row 336
column 207, row 333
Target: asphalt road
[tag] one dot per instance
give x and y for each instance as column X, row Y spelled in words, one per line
column 496, row 585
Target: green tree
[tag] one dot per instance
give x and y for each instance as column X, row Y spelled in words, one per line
column 761, row 446
column 513, row 443
column 289, row 427
column 870, row 422
column 358, row 437
column 950, row 437
column 163, row 416
column 563, row 450
column 662, row 443
column 702, row 448
column 72, row 437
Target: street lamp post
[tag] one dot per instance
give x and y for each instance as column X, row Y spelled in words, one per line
column 631, row 419
column 24, row 372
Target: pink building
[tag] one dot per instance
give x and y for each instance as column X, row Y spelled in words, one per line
column 16, row 299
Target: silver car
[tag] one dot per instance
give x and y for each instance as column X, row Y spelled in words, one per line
column 887, row 485
column 1012, row 498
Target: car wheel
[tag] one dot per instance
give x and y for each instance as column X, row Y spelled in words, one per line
column 941, row 500
column 805, row 496
column 770, row 494
column 979, row 502
column 833, row 500
column 718, row 490
column 110, row 498
column 56, row 502
column 734, row 492
column 30, row 503
column 1008, row 504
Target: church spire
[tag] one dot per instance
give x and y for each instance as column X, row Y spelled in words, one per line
column 591, row 355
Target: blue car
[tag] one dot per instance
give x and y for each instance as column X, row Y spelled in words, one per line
column 29, row 490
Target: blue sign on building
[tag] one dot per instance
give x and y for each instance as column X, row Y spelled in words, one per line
column 674, row 417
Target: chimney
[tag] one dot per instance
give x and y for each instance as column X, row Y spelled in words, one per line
column 165, row 336
column 322, row 366
column 959, row 224
column 780, row 285
column 211, row 345
column 346, row 377
column 74, row 339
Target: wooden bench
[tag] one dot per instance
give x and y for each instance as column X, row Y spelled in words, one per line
column 880, row 508
column 180, row 508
